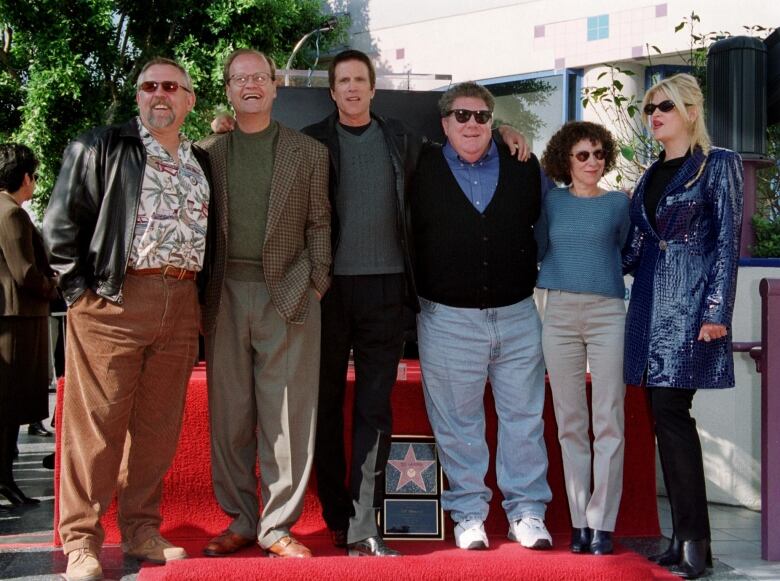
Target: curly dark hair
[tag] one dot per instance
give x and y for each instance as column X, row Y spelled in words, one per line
column 555, row 159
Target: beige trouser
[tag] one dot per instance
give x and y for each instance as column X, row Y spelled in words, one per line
column 263, row 376
column 126, row 372
column 582, row 328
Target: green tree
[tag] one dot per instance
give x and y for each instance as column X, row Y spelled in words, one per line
column 69, row 66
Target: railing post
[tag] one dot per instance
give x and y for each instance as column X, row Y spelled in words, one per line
column 770, row 419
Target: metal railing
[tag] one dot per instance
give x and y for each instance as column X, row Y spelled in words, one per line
column 766, row 354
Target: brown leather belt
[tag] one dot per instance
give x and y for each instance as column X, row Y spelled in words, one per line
column 170, row 271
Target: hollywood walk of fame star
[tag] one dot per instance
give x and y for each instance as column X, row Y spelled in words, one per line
column 411, row 469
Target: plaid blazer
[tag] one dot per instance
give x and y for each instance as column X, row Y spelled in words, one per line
column 296, row 250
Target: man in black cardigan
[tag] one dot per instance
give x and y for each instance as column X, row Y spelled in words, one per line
column 473, row 208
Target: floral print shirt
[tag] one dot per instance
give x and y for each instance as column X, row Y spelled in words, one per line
column 170, row 225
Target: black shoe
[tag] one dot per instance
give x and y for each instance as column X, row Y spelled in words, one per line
column 695, row 557
column 15, row 496
column 338, row 537
column 671, row 556
column 601, row 544
column 371, row 547
column 48, row 461
column 580, row 540
column 37, row 429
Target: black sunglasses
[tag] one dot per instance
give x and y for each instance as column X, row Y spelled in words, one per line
column 664, row 106
column 584, row 156
column 167, row 86
column 463, row 115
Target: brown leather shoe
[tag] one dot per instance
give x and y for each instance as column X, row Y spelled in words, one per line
column 288, row 546
column 226, row 543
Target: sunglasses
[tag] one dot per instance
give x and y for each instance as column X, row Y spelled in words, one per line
column 167, row 86
column 663, row 106
column 584, row 156
column 463, row 115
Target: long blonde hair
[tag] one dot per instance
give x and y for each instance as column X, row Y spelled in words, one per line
column 684, row 91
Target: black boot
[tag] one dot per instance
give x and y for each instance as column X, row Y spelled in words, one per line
column 8, row 487
column 580, row 540
column 671, row 556
column 694, row 559
column 601, row 544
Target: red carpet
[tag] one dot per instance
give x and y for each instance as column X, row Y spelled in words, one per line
column 423, row 561
column 191, row 512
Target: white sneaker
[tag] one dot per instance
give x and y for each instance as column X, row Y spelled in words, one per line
column 530, row 532
column 470, row 534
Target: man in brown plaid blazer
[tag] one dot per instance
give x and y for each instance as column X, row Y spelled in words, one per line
column 262, row 314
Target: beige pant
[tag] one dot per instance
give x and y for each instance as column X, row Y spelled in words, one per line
column 126, row 372
column 263, row 377
column 582, row 328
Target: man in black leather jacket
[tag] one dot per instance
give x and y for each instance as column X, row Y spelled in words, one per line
column 126, row 231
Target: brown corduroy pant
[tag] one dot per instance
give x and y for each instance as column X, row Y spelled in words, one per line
column 126, row 373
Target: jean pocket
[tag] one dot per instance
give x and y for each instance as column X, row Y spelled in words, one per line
column 428, row 306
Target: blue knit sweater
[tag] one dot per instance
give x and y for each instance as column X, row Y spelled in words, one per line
column 580, row 240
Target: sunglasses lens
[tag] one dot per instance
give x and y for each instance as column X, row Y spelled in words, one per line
column 462, row 115
column 666, row 106
column 599, row 154
column 582, row 156
column 170, row 86
column 148, row 86
column 482, row 117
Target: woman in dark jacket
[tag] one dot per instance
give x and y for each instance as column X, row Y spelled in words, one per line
column 686, row 214
column 26, row 286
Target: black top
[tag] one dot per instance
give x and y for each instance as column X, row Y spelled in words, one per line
column 656, row 184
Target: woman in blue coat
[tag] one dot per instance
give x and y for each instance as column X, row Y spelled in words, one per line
column 684, row 249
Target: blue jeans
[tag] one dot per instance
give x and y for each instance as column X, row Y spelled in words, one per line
column 459, row 350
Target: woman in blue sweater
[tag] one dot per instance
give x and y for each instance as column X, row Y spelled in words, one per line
column 580, row 235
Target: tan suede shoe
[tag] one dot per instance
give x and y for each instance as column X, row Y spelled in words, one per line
column 155, row 550
column 83, row 566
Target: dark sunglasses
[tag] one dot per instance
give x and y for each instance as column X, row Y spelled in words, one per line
column 167, row 86
column 463, row 115
column 584, row 156
column 664, row 106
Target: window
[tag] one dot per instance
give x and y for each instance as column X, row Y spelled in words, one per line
column 598, row 27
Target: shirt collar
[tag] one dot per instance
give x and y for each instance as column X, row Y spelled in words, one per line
column 451, row 155
column 149, row 141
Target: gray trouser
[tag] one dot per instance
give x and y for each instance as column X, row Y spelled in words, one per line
column 582, row 328
column 262, row 378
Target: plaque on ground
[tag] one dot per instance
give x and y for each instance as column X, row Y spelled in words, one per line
column 411, row 508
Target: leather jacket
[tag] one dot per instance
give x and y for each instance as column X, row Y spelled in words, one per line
column 89, row 225
column 405, row 147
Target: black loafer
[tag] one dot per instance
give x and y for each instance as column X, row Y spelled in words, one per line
column 580, row 540
column 601, row 543
column 371, row 547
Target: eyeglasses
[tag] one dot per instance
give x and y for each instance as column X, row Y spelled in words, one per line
column 240, row 79
column 167, row 86
column 463, row 115
column 664, row 106
column 584, row 156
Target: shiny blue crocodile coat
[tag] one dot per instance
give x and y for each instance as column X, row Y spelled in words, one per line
column 685, row 274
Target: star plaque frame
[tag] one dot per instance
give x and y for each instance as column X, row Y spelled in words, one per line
column 411, row 508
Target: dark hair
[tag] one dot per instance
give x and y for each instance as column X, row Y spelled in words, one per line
column 237, row 53
column 466, row 89
column 350, row 55
column 161, row 60
column 16, row 161
column 556, row 160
